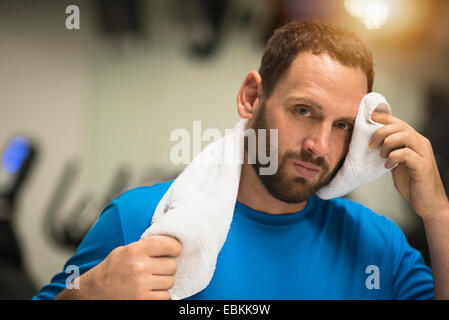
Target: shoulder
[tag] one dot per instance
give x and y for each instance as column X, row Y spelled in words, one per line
column 352, row 210
column 142, row 198
column 370, row 225
column 136, row 206
column 374, row 237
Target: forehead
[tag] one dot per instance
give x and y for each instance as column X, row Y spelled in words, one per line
column 323, row 79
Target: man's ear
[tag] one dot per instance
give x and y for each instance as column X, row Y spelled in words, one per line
column 249, row 95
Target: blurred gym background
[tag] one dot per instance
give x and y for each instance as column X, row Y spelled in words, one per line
column 86, row 114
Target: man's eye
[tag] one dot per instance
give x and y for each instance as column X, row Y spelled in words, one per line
column 343, row 126
column 302, row 111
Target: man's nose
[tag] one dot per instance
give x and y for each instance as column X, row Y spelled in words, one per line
column 318, row 140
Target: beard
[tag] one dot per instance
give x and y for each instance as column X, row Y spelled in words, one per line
column 282, row 185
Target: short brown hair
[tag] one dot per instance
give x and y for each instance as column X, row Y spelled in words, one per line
column 319, row 37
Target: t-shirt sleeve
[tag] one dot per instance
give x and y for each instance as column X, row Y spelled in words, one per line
column 104, row 236
column 412, row 278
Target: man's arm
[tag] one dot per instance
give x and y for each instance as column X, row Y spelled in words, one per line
column 418, row 181
column 110, row 269
column 437, row 232
column 104, row 236
column 77, row 294
column 144, row 269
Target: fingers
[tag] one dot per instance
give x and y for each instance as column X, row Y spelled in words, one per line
column 162, row 282
column 158, row 295
column 380, row 135
column 405, row 155
column 158, row 245
column 163, row 266
column 385, row 118
column 400, row 140
column 396, row 135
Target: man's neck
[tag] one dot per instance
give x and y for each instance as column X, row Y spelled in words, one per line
column 253, row 194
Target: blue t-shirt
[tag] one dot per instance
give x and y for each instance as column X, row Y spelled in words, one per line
column 333, row 249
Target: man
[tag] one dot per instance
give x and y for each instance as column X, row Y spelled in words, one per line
column 284, row 242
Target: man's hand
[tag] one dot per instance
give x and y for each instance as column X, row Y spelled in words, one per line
column 416, row 177
column 141, row 270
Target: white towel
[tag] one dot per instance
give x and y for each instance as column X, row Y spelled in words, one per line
column 362, row 165
column 198, row 207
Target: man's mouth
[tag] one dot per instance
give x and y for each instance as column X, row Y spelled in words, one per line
column 306, row 170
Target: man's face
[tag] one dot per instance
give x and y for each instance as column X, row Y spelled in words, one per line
column 313, row 106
